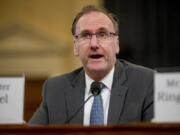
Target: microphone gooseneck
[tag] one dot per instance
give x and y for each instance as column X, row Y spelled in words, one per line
column 96, row 88
column 77, row 111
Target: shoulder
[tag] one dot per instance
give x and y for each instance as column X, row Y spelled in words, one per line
column 135, row 74
column 55, row 87
column 138, row 79
column 64, row 78
column 134, row 69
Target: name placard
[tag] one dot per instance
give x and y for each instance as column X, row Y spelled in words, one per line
column 167, row 97
column 12, row 100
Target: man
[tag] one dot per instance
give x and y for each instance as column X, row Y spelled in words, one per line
column 127, row 95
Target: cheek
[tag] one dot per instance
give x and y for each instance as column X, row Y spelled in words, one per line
column 79, row 50
column 82, row 52
column 112, row 49
column 116, row 45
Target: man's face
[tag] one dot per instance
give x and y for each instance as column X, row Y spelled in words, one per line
column 97, row 56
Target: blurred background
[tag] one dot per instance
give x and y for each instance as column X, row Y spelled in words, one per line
column 35, row 38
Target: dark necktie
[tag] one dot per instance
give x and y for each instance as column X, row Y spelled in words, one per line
column 97, row 112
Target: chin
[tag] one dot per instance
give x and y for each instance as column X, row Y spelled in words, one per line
column 97, row 69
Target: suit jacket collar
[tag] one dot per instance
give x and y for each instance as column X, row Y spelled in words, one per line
column 75, row 98
column 118, row 94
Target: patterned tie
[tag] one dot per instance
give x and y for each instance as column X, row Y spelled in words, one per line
column 97, row 113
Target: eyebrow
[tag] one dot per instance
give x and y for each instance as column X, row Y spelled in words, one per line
column 100, row 29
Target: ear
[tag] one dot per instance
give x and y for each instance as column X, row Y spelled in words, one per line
column 76, row 49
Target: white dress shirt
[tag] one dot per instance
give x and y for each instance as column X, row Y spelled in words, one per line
column 105, row 93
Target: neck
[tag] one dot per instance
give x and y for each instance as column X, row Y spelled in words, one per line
column 97, row 75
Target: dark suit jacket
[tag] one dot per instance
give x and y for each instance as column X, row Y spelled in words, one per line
column 131, row 96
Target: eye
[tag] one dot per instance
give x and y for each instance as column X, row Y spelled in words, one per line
column 85, row 35
column 102, row 34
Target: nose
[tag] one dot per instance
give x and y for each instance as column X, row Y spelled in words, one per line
column 94, row 42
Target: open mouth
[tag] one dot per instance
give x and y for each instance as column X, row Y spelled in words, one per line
column 96, row 56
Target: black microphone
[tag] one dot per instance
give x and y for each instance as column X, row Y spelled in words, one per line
column 95, row 90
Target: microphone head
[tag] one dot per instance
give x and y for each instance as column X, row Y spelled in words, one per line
column 95, row 88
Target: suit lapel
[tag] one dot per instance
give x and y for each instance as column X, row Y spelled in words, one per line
column 75, row 98
column 118, row 94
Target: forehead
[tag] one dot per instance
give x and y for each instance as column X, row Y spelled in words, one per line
column 94, row 21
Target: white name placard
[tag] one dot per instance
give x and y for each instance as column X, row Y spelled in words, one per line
column 12, row 100
column 167, row 97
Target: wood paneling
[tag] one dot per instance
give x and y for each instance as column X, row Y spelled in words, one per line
column 33, row 96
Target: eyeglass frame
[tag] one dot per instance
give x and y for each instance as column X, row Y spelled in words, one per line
column 98, row 37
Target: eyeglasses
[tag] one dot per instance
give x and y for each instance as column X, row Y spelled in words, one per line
column 101, row 36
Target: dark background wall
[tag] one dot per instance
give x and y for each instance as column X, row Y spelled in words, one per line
column 149, row 31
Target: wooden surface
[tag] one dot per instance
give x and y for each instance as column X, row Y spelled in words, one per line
column 132, row 129
column 33, row 96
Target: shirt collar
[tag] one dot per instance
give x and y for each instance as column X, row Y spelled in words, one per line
column 107, row 81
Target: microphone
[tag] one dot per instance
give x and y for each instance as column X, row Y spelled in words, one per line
column 95, row 90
